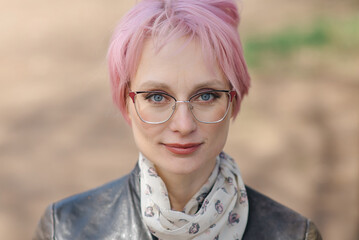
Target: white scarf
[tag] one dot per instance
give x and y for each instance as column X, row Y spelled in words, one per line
column 219, row 210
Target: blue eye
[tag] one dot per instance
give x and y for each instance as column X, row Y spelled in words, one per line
column 206, row 96
column 157, row 98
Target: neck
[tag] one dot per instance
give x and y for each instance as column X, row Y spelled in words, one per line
column 182, row 187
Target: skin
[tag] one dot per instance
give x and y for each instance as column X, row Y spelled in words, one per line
column 181, row 72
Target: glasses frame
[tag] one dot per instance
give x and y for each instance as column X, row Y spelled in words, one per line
column 232, row 93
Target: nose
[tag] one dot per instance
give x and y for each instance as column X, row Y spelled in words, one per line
column 182, row 120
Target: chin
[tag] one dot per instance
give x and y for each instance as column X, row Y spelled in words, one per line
column 181, row 170
column 183, row 165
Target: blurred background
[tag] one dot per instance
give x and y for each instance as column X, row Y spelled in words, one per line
column 296, row 138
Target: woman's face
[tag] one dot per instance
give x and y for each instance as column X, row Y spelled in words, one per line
column 182, row 145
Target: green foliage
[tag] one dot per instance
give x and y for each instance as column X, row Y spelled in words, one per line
column 322, row 33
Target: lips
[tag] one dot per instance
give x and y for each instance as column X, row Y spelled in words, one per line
column 182, row 149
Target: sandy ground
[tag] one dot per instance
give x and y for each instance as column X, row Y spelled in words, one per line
column 296, row 138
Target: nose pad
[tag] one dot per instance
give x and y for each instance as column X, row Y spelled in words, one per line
column 183, row 120
column 189, row 105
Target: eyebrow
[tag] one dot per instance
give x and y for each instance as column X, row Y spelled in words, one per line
column 151, row 84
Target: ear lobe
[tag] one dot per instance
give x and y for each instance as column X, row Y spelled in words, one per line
column 129, row 121
column 234, row 104
column 128, row 115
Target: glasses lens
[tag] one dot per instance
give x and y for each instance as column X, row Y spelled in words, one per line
column 211, row 106
column 206, row 107
column 154, row 107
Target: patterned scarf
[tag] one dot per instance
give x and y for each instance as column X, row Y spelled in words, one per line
column 219, row 210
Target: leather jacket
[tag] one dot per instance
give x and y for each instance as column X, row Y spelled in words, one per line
column 112, row 211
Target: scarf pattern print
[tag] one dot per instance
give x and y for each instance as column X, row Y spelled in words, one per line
column 219, row 210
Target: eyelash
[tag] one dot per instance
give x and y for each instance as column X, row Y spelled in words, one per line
column 213, row 96
column 151, row 94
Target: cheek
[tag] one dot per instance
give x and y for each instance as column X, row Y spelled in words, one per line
column 140, row 129
column 222, row 132
column 143, row 133
column 217, row 133
column 142, row 136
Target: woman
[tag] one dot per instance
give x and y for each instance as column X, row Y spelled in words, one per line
column 178, row 76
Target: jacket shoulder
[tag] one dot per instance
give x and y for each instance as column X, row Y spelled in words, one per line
column 94, row 214
column 93, row 198
column 269, row 219
column 87, row 215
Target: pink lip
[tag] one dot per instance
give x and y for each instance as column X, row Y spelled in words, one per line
column 182, row 149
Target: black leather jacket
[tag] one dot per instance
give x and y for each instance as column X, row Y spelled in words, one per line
column 112, row 212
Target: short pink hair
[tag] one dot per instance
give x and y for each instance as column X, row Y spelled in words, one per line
column 213, row 22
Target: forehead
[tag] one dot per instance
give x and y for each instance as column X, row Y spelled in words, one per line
column 178, row 64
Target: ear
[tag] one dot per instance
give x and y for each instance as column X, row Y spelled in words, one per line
column 127, row 114
column 233, row 105
column 235, row 102
column 129, row 122
column 126, row 110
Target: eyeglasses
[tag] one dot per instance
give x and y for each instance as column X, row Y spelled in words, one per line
column 155, row 107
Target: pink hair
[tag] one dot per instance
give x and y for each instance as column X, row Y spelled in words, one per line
column 213, row 22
